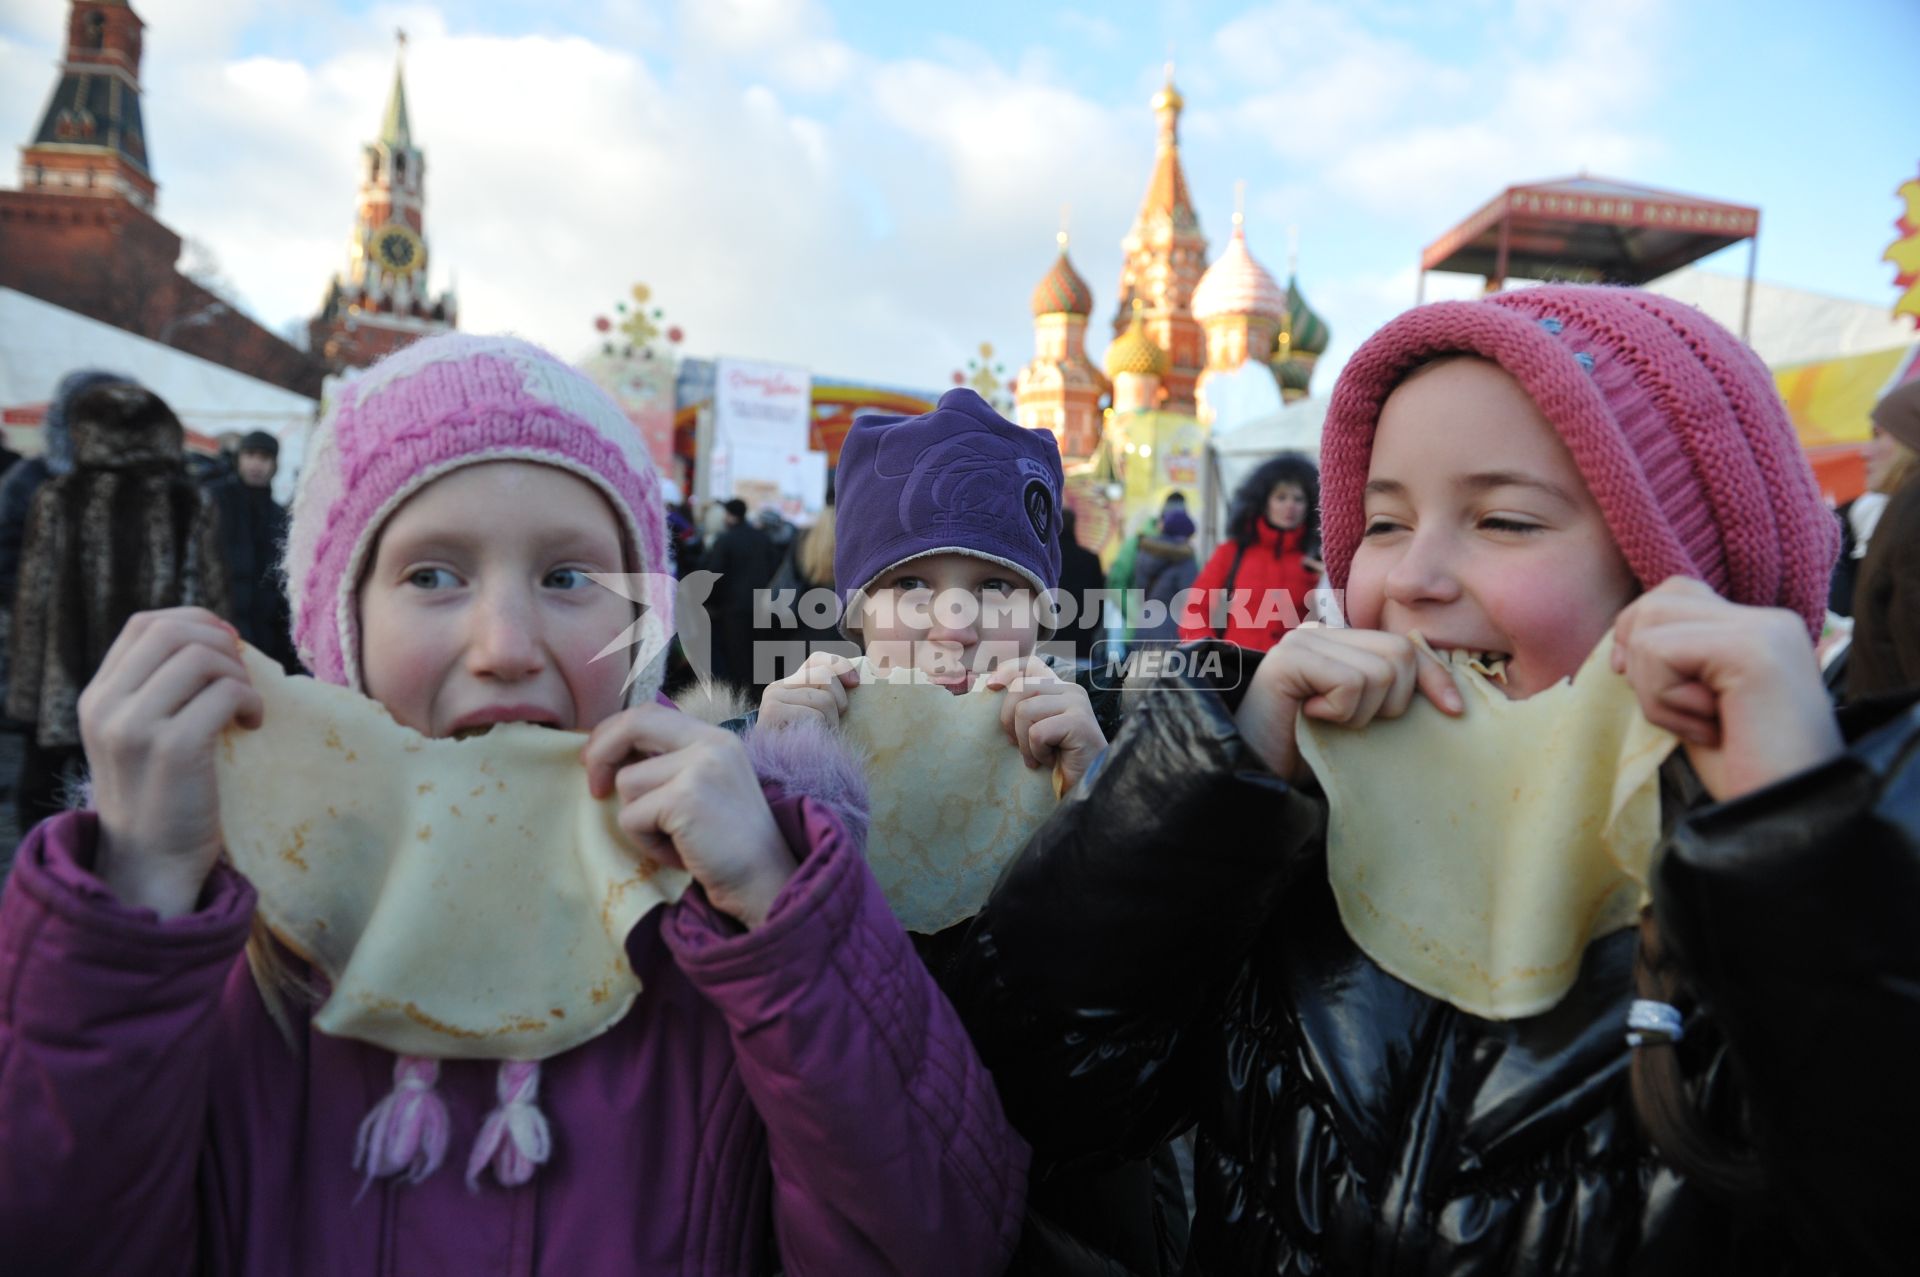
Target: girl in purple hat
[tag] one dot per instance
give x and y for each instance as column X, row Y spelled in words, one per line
column 788, row 1091
column 947, row 550
column 1723, row 1087
column 948, row 545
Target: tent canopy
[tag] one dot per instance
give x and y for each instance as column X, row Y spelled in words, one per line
column 1588, row 228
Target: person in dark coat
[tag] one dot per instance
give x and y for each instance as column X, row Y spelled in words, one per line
column 1081, row 577
column 124, row 531
column 1885, row 653
column 1168, row 952
column 253, row 531
column 23, row 478
column 745, row 559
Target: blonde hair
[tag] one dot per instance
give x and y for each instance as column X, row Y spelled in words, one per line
column 815, row 555
column 1901, row 467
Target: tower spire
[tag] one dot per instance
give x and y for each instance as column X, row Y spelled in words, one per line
column 395, row 130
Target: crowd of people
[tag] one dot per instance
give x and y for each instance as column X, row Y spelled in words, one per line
column 1547, row 482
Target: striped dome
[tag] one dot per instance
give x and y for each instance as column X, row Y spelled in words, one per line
column 1293, row 373
column 1310, row 334
column 1062, row 291
column 1135, row 352
column 1237, row 285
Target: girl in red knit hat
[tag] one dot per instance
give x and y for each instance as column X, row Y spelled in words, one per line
column 1716, row 1082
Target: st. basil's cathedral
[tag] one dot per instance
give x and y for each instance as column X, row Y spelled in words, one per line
column 1137, row 428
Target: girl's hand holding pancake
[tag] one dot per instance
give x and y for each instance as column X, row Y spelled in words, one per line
column 1049, row 719
column 1350, row 677
column 817, row 689
column 689, row 799
column 150, row 721
column 1738, row 685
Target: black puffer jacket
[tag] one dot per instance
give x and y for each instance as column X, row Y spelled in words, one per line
column 1166, row 953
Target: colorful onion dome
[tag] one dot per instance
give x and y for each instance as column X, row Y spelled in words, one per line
column 1237, row 285
column 1062, row 291
column 1294, row 374
column 1309, row 331
column 1135, row 352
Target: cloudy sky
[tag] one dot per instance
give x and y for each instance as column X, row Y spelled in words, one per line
column 871, row 188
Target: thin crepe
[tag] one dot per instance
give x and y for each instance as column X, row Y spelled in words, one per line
column 465, row 898
column 951, row 799
column 1475, row 858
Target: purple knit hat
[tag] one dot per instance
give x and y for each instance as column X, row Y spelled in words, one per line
column 1673, row 422
column 442, row 403
column 961, row 479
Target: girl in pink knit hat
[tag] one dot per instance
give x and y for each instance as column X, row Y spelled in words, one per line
column 789, row 1090
column 1721, row 1087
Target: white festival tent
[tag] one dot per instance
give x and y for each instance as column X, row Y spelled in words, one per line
column 41, row 342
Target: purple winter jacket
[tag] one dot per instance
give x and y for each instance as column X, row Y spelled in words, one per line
column 800, row 1097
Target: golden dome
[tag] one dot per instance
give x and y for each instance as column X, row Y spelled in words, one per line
column 1168, row 98
column 1135, row 352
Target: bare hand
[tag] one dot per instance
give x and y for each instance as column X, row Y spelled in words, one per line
column 1738, row 685
column 1049, row 719
column 817, row 690
column 151, row 720
column 689, row 800
column 1349, row 677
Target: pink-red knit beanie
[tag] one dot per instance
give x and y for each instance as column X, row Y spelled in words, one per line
column 1673, row 422
column 442, row 403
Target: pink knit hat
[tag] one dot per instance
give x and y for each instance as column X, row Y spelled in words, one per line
column 1674, row 423
column 442, row 403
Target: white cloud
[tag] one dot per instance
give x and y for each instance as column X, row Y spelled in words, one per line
column 791, row 40
column 1380, row 121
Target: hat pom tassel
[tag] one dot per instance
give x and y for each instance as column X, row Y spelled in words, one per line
column 406, row 1131
column 515, row 1136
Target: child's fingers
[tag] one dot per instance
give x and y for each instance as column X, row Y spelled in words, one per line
column 1665, row 665
column 1037, row 748
column 1435, row 680
column 829, row 702
column 137, row 717
column 213, row 707
column 647, row 824
column 636, row 780
column 139, row 652
column 1349, row 684
column 643, row 729
column 829, row 669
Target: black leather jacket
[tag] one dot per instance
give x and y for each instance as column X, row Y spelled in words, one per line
column 1166, row 953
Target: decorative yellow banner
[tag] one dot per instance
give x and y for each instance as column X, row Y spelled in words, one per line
column 1830, row 400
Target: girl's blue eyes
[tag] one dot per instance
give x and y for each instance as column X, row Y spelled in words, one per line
column 443, row 579
column 431, row 579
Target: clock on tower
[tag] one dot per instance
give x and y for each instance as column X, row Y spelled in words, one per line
column 399, row 249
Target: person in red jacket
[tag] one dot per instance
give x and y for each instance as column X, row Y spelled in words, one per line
column 1254, row 588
